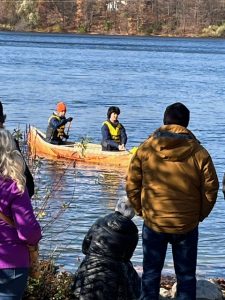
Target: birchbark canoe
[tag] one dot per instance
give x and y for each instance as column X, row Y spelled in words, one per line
column 88, row 153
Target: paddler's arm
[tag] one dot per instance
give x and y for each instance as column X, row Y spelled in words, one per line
column 56, row 123
column 123, row 135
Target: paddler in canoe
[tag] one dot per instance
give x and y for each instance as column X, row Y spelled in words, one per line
column 114, row 137
column 56, row 125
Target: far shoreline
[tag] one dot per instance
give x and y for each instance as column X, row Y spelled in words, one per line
column 113, row 34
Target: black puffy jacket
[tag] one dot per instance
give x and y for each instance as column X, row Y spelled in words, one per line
column 106, row 272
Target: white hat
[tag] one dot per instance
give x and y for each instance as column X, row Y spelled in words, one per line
column 124, row 207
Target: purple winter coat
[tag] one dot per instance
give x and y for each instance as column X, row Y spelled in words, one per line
column 13, row 241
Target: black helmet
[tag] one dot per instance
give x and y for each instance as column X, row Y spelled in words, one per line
column 113, row 109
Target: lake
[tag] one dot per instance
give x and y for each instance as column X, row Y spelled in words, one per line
column 141, row 75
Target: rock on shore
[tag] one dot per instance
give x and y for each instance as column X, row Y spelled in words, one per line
column 210, row 289
column 207, row 289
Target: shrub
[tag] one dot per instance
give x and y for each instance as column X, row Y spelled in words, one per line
column 108, row 25
column 220, row 32
column 82, row 29
column 51, row 284
column 214, row 31
column 154, row 28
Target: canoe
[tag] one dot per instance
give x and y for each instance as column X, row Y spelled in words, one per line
column 88, row 153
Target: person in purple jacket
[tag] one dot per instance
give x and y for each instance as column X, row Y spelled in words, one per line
column 15, row 204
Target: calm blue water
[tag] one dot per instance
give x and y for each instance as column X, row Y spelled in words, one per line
column 142, row 76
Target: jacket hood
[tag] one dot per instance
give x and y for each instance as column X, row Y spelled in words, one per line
column 173, row 142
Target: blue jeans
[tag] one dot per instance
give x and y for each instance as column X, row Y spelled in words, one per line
column 184, row 250
column 13, row 283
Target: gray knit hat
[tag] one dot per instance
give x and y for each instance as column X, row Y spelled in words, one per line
column 124, row 207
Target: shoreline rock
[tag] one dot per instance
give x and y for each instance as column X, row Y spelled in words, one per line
column 207, row 289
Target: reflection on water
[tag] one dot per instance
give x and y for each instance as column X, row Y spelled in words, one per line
column 110, row 184
column 77, row 197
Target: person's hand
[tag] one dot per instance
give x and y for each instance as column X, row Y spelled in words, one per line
column 66, row 136
column 121, row 147
column 70, row 119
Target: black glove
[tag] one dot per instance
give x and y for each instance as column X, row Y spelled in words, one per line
column 63, row 122
column 69, row 119
column 66, row 136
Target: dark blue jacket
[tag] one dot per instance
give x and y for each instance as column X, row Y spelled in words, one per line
column 52, row 133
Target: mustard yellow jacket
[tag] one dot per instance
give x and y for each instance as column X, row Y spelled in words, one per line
column 171, row 181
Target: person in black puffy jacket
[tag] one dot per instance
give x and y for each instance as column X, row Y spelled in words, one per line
column 106, row 272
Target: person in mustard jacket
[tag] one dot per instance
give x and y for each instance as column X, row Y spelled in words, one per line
column 56, row 125
column 114, row 135
column 173, row 185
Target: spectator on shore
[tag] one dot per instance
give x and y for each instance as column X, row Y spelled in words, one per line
column 114, row 135
column 173, row 185
column 28, row 175
column 56, row 125
column 18, row 225
column 106, row 272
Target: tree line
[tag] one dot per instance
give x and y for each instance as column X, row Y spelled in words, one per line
column 170, row 17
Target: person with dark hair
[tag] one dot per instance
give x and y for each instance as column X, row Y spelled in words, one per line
column 177, row 113
column 56, row 125
column 114, row 135
column 28, row 175
column 106, row 272
column 172, row 183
